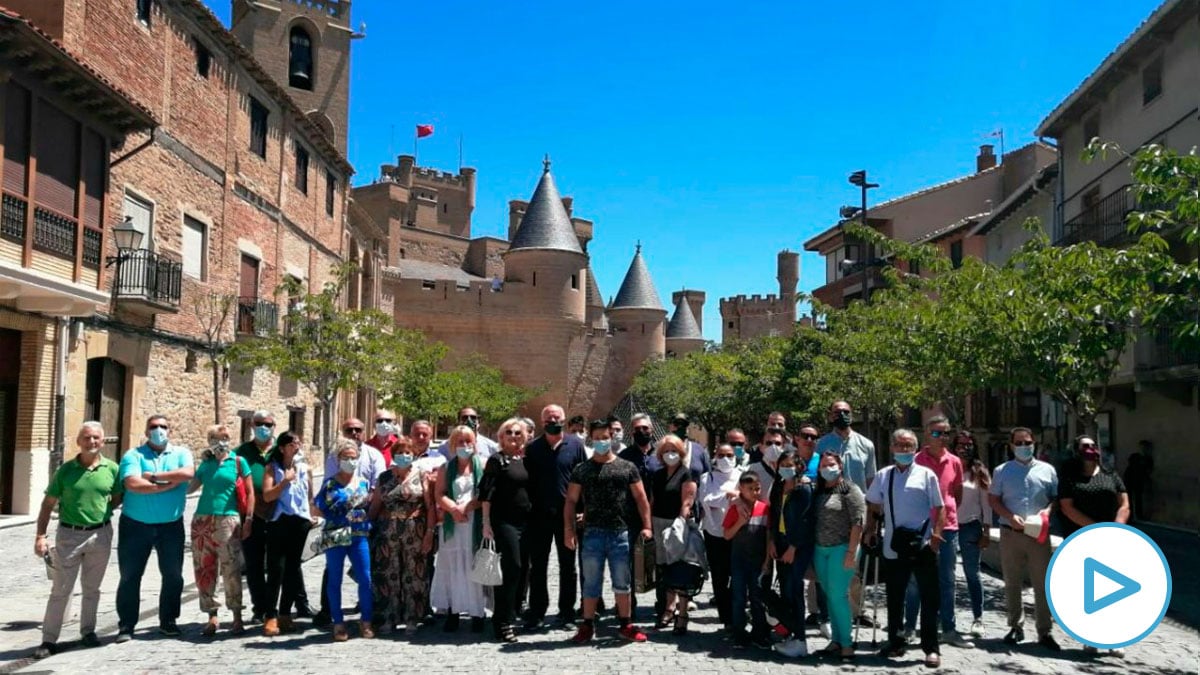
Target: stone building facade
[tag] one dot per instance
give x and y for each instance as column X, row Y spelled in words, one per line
column 529, row 304
column 239, row 182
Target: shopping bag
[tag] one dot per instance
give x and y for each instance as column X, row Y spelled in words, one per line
column 644, row 567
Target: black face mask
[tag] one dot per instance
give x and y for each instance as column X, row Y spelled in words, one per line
column 472, row 423
column 842, row 420
column 553, row 428
column 642, row 438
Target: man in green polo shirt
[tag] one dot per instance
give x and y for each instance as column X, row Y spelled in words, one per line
column 85, row 489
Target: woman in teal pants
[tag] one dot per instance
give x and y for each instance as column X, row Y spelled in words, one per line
column 840, row 512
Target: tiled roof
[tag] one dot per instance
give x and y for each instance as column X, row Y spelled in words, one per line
column 1023, row 194
column 951, row 228
column 683, row 324
column 430, row 271
column 594, row 297
column 545, row 224
column 137, row 109
column 1145, row 32
column 637, row 290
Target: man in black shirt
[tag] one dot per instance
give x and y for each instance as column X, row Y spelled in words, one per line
column 550, row 459
column 607, row 485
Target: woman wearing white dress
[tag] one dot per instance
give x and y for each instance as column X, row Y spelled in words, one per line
column 460, row 533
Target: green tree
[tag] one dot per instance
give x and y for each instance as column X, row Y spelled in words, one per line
column 324, row 347
column 438, row 394
column 212, row 311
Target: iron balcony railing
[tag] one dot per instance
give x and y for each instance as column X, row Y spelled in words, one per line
column 1103, row 222
column 145, row 275
column 256, row 316
column 1165, row 351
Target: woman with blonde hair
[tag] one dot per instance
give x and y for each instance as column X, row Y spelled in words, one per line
column 343, row 501
column 453, row 591
column 673, row 490
column 218, row 527
column 505, row 502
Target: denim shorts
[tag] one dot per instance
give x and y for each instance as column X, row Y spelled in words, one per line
column 600, row 545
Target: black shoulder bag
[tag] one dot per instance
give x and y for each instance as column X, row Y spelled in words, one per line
column 906, row 541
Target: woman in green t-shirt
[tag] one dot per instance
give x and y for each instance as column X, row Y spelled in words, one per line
column 219, row 527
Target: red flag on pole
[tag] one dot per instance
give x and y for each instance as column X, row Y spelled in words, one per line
column 424, row 130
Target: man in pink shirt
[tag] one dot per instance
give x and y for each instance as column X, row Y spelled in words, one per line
column 936, row 457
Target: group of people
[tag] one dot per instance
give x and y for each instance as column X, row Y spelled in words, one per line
column 790, row 530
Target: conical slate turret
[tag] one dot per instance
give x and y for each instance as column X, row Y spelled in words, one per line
column 546, row 224
column 637, row 290
column 683, row 324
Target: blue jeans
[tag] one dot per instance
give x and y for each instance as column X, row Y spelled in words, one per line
column 359, row 552
column 947, row 560
column 135, row 540
column 791, row 583
column 599, row 546
column 744, row 586
column 969, row 535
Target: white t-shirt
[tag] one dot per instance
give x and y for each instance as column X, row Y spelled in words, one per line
column 915, row 495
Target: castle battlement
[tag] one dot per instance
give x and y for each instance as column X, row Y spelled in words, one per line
column 447, row 296
column 750, row 304
column 438, row 176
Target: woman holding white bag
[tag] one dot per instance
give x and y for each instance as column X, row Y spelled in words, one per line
column 453, row 592
column 504, row 499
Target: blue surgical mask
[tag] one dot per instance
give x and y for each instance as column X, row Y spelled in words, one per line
column 1023, row 453
column 787, row 472
column 263, row 433
column 464, row 452
column 601, row 447
column 739, row 451
column 158, row 436
column 904, row 458
column 402, row 461
column 830, row 473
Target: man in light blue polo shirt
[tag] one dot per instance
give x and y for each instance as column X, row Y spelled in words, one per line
column 1024, row 489
column 155, row 476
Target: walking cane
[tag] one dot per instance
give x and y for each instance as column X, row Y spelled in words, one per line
column 875, row 603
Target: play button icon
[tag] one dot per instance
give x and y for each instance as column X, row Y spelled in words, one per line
column 1093, row 567
column 1125, row 591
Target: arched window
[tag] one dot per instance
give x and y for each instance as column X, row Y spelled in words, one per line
column 300, row 59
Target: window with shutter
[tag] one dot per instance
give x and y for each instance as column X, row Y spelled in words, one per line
column 16, row 139
column 95, row 161
column 195, row 248
column 57, row 147
column 142, row 213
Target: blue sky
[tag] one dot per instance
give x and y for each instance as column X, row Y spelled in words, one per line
column 715, row 133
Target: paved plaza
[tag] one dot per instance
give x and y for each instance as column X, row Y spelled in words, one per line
column 1171, row 649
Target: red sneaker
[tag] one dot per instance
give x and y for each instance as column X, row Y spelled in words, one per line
column 584, row 634
column 632, row 634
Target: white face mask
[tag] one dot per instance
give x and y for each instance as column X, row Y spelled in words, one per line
column 581, row 435
column 618, row 436
column 348, row 465
column 725, row 464
column 671, row 458
column 383, row 429
column 771, row 453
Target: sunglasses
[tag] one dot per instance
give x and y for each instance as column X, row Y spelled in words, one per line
column 464, row 418
column 514, row 432
column 381, row 420
column 159, row 426
column 1028, row 444
column 641, row 428
column 809, row 437
column 353, row 430
column 938, row 434
column 1088, row 446
column 269, row 425
column 773, row 444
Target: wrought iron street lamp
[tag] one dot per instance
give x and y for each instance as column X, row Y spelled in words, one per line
column 128, row 239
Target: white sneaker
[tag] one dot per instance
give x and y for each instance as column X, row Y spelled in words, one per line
column 826, row 631
column 977, row 628
column 793, row 648
column 692, row 606
column 955, row 639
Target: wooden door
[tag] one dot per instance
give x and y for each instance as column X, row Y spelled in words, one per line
column 106, row 402
column 10, row 373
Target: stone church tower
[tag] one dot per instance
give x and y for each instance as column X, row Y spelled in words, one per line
column 305, row 46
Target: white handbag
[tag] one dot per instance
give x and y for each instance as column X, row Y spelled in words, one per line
column 486, row 569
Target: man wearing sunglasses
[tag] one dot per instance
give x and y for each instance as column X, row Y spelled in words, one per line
column 1023, row 489
column 857, row 451
column 386, row 433
column 156, row 476
column 936, row 457
column 484, row 446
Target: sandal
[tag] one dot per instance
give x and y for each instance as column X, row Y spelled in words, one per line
column 665, row 620
column 508, row 634
column 681, row 623
column 210, row 628
column 830, row 650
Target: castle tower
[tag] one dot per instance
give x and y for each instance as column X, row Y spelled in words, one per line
column 305, row 46
column 695, row 300
column 637, row 318
column 544, row 256
column 683, row 333
column 788, row 263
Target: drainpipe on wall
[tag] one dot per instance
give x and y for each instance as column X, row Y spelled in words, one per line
column 62, row 350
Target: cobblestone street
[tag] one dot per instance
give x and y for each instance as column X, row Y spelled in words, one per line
column 1171, row 649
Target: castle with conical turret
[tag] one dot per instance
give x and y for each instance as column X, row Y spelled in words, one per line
column 529, row 304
